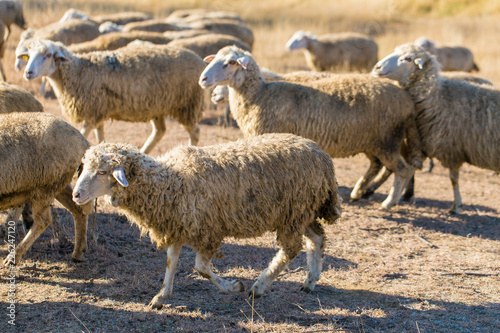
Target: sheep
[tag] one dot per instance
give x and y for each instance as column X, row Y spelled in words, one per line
column 122, row 18
column 199, row 196
column 332, row 52
column 451, row 58
column 2, row 51
column 153, row 25
column 346, row 115
column 205, row 45
column 193, row 15
column 108, row 26
column 40, row 153
column 129, row 84
column 458, row 122
column 239, row 31
column 465, row 76
column 11, row 12
column 74, row 14
column 115, row 40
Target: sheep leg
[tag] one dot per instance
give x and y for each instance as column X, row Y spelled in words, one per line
column 381, row 177
column 80, row 213
column 457, row 201
column 42, row 86
column 315, row 245
column 402, row 175
column 13, row 214
column 87, row 128
column 362, row 184
column 42, row 219
column 99, row 133
column 203, row 265
column 194, row 134
column 159, row 130
column 166, row 290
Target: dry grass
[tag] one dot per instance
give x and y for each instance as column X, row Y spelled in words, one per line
column 414, row 269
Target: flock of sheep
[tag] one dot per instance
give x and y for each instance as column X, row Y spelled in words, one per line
column 280, row 177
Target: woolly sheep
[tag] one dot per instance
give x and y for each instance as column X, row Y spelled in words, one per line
column 73, row 13
column 332, row 52
column 205, row 45
column 451, row 58
column 129, row 84
column 122, row 18
column 192, row 15
column 108, row 26
column 199, row 196
column 239, row 31
column 345, row 116
column 153, row 25
column 457, row 121
column 2, row 51
column 40, row 153
column 115, row 40
column 11, row 12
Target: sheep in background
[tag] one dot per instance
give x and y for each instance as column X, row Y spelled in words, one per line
column 2, row 51
column 465, row 76
column 239, row 31
column 458, row 122
column 345, row 115
column 332, row 52
column 40, row 153
column 115, row 40
column 122, row 18
column 205, row 45
column 129, row 84
column 201, row 195
column 451, row 58
column 153, row 25
column 192, row 15
column 108, row 26
column 11, row 12
column 73, row 13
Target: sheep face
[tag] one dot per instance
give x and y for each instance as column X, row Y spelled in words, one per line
column 299, row 40
column 398, row 65
column 21, row 57
column 220, row 95
column 43, row 57
column 97, row 179
column 225, row 68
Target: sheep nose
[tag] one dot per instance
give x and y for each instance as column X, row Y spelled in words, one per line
column 76, row 195
column 204, row 79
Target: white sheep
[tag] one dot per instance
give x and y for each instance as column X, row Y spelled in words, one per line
column 129, row 84
column 11, row 12
column 208, row 44
column 332, row 52
column 345, row 115
column 451, row 58
column 108, row 26
column 238, row 30
column 153, row 25
column 73, row 13
column 199, row 196
column 457, row 121
column 40, row 153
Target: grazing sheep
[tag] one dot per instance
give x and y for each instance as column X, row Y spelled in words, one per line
column 122, row 18
column 330, row 52
column 239, row 31
column 129, row 84
column 458, row 122
column 153, row 25
column 40, row 153
column 199, row 196
column 193, row 15
column 205, row 45
column 345, row 115
column 115, row 40
column 11, row 12
column 451, row 58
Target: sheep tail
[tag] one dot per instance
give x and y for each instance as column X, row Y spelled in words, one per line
column 331, row 209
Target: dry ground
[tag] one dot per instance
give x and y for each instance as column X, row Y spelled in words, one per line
column 413, row 269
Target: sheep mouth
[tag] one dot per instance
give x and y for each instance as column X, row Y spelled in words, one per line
column 380, row 74
column 206, row 85
column 30, row 76
column 81, row 200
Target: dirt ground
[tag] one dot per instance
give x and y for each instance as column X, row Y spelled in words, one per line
column 412, row 269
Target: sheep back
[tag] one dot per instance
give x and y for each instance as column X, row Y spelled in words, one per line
column 11, row 12
column 115, row 40
column 206, row 45
column 40, row 153
column 14, row 99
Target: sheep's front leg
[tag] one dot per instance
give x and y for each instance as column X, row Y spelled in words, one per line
column 361, row 186
column 159, row 130
column 87, row 128
column 204, row 266
column 166, row 290
column 194, row 134
column 315, row 246
column 99, row 133
column 457, row 200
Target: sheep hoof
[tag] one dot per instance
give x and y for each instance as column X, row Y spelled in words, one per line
column 306, row 289
column 9, row 261
column 76, row 260
column 253, row 294
column 155, row 303
column 238, row 286
column 454, row 210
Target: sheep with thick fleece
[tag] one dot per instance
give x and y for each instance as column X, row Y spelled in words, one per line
column 208, row 44
column 129, row 84
column 11, row 12
column 458, row 122
column 225, row 27
column 451, row 58
column 153, row 25
column 345, row 115
column 201, row 195
column 115, row 40
column 40, row 154
column 332, row 52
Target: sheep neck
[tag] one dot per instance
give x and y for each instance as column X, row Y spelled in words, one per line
column 422, row 86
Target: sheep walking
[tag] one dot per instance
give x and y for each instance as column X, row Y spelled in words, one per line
column 345, row 115
column 457, row 121
column 129, row 84
column 201, row 195
column 40, row 153
column 344, row 51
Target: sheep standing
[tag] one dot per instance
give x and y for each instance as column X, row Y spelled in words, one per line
column 130, row 84
column 115, row 40
column 40, row 153
column 457, row 121
column 11, row 12
column 346, row 115
column 208, row 44
column 451, row 58
column 199, row 196
column 332, row 52
column 153, row 25
column 238, row 30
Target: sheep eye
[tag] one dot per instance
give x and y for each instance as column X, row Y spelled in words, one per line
column 102, row 172
column 231, row 62
column 23, row 57
column 407, row 59
column 48, row 55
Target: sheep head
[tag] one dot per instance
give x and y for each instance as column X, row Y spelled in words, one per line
column 227, row 67
column 103, row 168
column 299, row 40
column 43, row 58
column 405, row 60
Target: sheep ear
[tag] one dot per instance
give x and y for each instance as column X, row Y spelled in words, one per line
column 59, row 56
column 208, row 59
column 243, row 61
column 119, row 175
column 419, row 62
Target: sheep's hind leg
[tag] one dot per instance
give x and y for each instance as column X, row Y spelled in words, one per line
column 194, row 134
column 315, row 246
column 204, row 266
column 168, row 282
column 402, row 175
column 457, row 200
column 362, row 185
column 159, row 130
